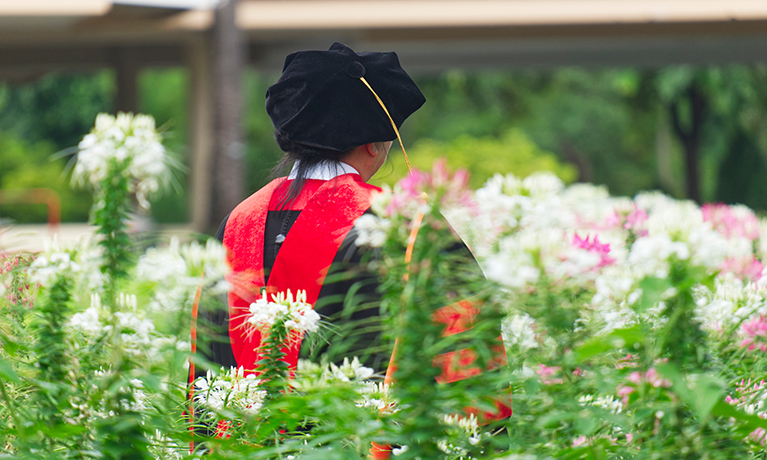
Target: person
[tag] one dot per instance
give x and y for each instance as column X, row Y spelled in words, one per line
column 335, row 114
column 298, row 231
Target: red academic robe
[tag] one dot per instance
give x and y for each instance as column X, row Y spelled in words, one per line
column 328, row 212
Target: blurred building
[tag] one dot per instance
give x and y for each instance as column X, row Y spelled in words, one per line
column 211, row 37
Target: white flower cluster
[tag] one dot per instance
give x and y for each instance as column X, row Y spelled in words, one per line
column 731, row 302
column 312, row 374
column 175, row 272
column 469, row 424
column 52, row 263
column 534, row 229
column 519, row 330
column 373, row 395
column 126, row 139
column 230, row 388
column 138, row 335
column 297, row 315
column 607, row 402
column 87, row 412
column 81, row 263
column 377, row 396
column 371, row 230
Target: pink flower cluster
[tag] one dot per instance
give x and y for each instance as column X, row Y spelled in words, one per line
column 745, row 390
column 547, row 374
column 651, row 377
column 601, row 249
column 725, row 220
column 635, row 221
column 747, row 268
column 17, row 294
column 627, row 361
column 438, row 184
column 748, row 394
column 755, row 331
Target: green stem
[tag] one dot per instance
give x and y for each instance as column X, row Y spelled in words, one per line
column 110, row 215
column 10, row 406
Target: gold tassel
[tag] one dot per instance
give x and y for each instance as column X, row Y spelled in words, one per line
column 393, row 125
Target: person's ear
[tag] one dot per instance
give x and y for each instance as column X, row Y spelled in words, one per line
column 372, row 149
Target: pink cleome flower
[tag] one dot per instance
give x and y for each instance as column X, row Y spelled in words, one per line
column 635, row 221
column 580, row 440
column 602, row 249
column 759, row 435
column 439, row 183
column 747, row 268
column 546, row 373
column 731, row 222
column 755, row 331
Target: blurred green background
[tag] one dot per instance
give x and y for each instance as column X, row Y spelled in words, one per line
column 628, row 129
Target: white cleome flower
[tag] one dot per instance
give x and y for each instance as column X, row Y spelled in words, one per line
column 519, row 330
column 230, row 388
column 542, row 184
column 650, row 254
column 732, row 301
column 53, row 263
column 125, row 139
column 176, row 271
column 371, row 230
column 349, row 371
column 296, row 314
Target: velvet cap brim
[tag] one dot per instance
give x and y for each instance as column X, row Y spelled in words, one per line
column 320, row 101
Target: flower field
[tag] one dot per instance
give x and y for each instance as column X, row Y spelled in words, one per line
column 633, row 328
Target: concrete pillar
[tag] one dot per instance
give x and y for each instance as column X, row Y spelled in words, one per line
column 127, row 68
column 228, row 46
column 199, row 63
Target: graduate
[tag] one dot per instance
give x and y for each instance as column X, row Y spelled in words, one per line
column 335, row 115
column 298, row 231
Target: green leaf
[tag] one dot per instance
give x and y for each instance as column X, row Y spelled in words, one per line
column 652, row 289
column 7, row 372
column 617, row 339
column 747, row 423
column 9, row 345
column 699, row 391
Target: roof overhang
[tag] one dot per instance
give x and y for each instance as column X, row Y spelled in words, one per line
column 428, row 34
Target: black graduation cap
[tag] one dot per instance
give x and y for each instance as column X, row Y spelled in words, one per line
column 322, row 100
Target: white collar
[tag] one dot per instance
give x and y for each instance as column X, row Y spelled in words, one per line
column 325, row 170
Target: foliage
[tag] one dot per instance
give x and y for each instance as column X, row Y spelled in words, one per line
column 57, row 108
column 26, row 165
column 512, row 152
column 164, row 96
column 633, row 328
column 614, row 125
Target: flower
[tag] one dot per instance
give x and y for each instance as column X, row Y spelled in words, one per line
column 598, row 254
column 580, row 441
column 229, row 388
column 747, row 268
column 52, row 264
column 371, row 230
column 414, row 192
column 732, row 221
column 349, row 370
column 296, row 314
column 131, row 141
column 755, row 332
column 651, row 377
column 174, row 272
column 519, row 329
column 547, row 372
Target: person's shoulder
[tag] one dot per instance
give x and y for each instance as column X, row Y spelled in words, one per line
column 355, row 180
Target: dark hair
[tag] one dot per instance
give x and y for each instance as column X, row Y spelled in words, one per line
column 307, row 156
